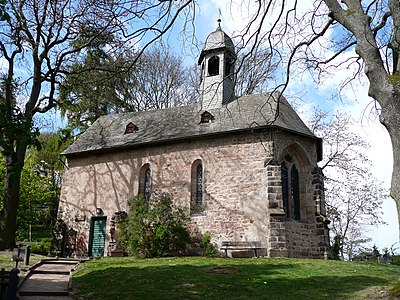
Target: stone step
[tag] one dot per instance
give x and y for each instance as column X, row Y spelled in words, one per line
column 57, row 272
column 43, row 294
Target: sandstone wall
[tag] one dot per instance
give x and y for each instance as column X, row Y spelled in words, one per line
column 242, row 188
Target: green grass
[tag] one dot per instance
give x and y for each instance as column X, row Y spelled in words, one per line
column 219, row 278
column 8, row 264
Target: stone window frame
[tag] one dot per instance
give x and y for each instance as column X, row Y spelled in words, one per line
column 197, row 188
column 213, row 65
column 291, row 186
column 145, row 181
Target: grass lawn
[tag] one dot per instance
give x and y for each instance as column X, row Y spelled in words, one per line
column 8, row 264
column 228, row 278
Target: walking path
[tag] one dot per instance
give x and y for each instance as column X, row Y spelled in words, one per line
column 48, row 280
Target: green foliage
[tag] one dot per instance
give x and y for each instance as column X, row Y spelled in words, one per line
column 36, row 200
column 4, row 16
column 395, row 260
column 40, row 183
column 394, row 78
column 43, row 248
column 154, row 227
column 395, row 291
column 205, row 244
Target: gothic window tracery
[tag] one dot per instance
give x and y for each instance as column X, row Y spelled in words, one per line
column 197, row 188
column 290, row 188
column 145, row 181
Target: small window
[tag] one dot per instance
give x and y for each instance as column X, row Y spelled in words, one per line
column 290, row 188
column 206, row 117
column 131, row 128
column 213, row 66
column 145, row 181
column 197, row 188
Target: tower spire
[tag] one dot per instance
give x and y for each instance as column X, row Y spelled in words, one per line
column 217, row 70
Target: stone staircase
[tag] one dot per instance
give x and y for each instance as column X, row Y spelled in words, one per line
column 49, row 279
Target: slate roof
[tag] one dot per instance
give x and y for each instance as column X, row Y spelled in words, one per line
column 182, row 123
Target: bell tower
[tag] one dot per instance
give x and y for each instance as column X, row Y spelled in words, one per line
column 217, row 70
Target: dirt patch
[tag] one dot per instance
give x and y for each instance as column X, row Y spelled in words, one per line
column 375, row 293
column 223, row 270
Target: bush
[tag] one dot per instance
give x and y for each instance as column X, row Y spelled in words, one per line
column 395, row 260
column 43, row 248
column 154, row 227
column 205, row 244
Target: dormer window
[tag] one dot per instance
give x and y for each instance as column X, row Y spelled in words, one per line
column 213, row 66
column 206, row 117
column 131, row 128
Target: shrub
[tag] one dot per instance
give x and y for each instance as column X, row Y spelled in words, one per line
column 153, row 227
column 43, row 248
column 205, row 244
column 395, row 260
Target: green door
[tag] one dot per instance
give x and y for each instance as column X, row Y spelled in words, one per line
column 98, row 236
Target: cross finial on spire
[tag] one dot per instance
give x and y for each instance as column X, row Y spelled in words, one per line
column 219, row 19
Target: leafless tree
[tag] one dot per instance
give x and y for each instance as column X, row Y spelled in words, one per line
column 353, row 195
column 37, row 47
column 159, row 81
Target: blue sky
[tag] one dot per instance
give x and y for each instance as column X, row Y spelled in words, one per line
column 354, row 100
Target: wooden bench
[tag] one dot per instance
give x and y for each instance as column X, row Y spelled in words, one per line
column 229, row 245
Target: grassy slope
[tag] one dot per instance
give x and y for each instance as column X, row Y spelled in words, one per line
column 8, row 264
column 218, row 278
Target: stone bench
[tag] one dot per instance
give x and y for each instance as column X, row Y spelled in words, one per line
column 229, row 245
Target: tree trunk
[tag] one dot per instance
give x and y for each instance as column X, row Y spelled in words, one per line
column 390, row 118
column 8, row 218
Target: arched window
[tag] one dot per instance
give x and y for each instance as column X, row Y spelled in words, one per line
column 197, row 188
column 213, row 66
column 145, row 181
column 295, row 193
column 290, row 188
column 285, row 187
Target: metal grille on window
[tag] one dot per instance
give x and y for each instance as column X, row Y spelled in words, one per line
column 147, row 184
column 199, row 185
column 290, row 188
column 295, row 196
column 285, row 188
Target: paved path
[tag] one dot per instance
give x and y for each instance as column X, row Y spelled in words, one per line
column 48, row 280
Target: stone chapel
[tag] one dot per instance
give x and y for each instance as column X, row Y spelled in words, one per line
column 244, row 168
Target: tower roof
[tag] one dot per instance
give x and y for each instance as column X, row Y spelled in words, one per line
column 216, row 41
